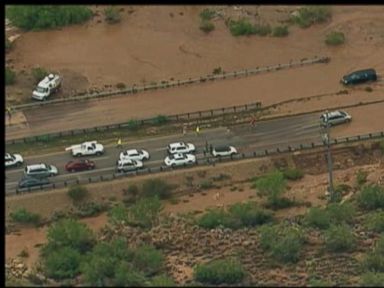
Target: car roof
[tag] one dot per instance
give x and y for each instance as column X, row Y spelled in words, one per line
column 45, row 82
column 369, row 71
column 37, row 166
column 125, row 161
column 222, row 148
column 335, row 113
column 177, row 144
column 132, row 151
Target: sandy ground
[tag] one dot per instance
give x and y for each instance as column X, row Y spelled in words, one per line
column 310, row 188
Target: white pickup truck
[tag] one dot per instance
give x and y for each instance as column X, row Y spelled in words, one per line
column 86, row 148
column 46, row 87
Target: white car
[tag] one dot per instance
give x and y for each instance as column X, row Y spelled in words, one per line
column 46, row 87
column 134, row 154
column 13, row 160
column 180, row 147
column 179, row 159
column 86, row 148
column 128, row 165
column 224, row 150
column 40, row 170
column 335, row 118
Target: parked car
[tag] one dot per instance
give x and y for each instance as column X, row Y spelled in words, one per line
column 13, row 160
column 46, row 87
column 128, row 165
column 179, row 159
column 79, row 165
column 32, row 181
column 224, row 150
column 334, row 118
column 40, row 170
column 180, row 147
column 134, row 154
column 360, row 76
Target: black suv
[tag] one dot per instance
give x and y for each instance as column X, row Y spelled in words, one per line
column 360, row 76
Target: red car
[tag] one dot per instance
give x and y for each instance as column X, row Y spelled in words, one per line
column 79, row 165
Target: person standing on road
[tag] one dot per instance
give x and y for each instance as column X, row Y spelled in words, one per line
column 253, row 121
column 184, row 129
column 119, row 145
column 197, row 130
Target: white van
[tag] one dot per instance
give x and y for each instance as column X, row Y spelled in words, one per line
column 40, row 170
column 46, row 87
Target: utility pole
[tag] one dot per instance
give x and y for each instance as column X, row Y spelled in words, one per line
column 327, row 141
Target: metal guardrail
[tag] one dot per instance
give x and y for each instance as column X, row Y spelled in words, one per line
column 175, row 83
column 207, row 160
column 175, row 117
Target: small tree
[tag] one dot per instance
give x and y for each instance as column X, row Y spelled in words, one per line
column 361, row 177
column 118, row 215
column 162, row 281
column 38, row 74
column 223, row 271
column 77, row 193
column 145, row 212
column 21, row 215
column 217, row 217
column 157, row 187
column 375, row 261
column 10, row 76
column 62, row 263
column 161, row 119
column 207, row 14
column 341, row 213
column 280, row 31
column 335, row 38
column 133, row 125
column 371, row 197
column 249, row 214
column 339, row 238
column 148, row 259
column 372, row 279
column 112, row 15
column 272, row 186
column 207, row 26
column 293, row 174
column 375, row 222
column 128, row 276
column 318, row 218
column 241, row 27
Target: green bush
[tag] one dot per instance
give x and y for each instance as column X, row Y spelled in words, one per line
column 90, row 209
column 133, row 125
column 77, row 193
column 62, row 263
column 310, row 15
column 361, row 177
column 250, row 214
column 8, row 45
column 148, row 259
column 371, row 197
column 207, row 26
column 241, row 27
column 161, row 119
column 381, row 144
column 374, row 261
column 145, row 212
column 34, row 17
column 10, row 76
column 339, row 238
column 372, row 279
column 217, row 217
column 112, row 15
column 217, row 70
column 118, row 215
column 21, row 215
column 224, row 271
column 272, row 186
column 334, row 38
column 206, row 184
column 69, row 233
column 262, row 30
column 280, row 31
column 128, row 276
column 283, row 243
column 293, row 174
column 207, row 14
column 341, row 213
column 121, row 86
column 38, row 74
column 162, row 281
column 318, row 218
column 375, row 222
column 157, row 187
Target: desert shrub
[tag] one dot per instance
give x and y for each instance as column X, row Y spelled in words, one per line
column 334, row 38
column 21, row 215
column 241, row 27
column 206, row 184
column 145, row 212
column 62, row 263
column 315, row 282
column 207, row 14
column 361, row 177
column 381, row 145
column 250, row 214
column 128, row 276
column 280, row 31
column 10, row 76
column 157, row 187
column 217, row 70
column 283, row 243
column 375, row 260
column 217, row 217
column 121, row 86
column 24, row 253
column 148, row 259
column 133, row 125
column 90, row 209
column 223, row 271
column 77, row 193
column 207, row 26
column 306, row 16
column 38, row 74
column 162, row 281
column 272, row 186
column 161, row 119
column 318, row 218
column 112, row 14
column 293, row 174
column 69, row 233
column 118, row 215
column 371, row 197
column 375, row 222
column 339, row 238
column 34, row 17
column 368, row 89
column 341, row 213
column 262, row 30
column 372, row 279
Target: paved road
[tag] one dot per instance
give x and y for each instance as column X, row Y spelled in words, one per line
column 265, row 135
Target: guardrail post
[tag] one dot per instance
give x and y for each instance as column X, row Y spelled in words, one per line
column 234, row 108
column 188, row 115
column 211, row 112
column 161, row 168
column 313, row 145
column 266, row 151
column 370, row 135
column 243, row 155
column 254, row 153
column 358, row 137
column 89, row 179
column 77, row 181
column 277, row 150
column 347, row 139
column 65, row 183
